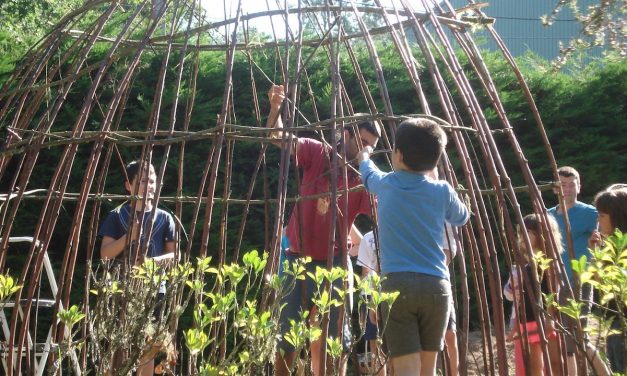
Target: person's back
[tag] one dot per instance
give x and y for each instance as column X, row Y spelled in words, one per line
column 412, row 213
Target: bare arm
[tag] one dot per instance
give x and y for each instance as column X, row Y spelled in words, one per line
column 356, row 237
column 276, row 96
column 110, row 248
column 169, row 254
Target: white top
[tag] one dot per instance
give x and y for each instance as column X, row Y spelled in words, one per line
column 367, row 254
column 449, row 240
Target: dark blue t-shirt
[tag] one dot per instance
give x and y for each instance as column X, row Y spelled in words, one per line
column 116, row 225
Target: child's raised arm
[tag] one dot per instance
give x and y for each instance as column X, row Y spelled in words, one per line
column 364, row 154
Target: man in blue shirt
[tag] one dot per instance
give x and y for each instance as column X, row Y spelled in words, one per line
column 582, row 218
column 413, row 209
column 583, row 221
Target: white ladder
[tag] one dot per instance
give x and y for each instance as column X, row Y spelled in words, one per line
column 41, row 350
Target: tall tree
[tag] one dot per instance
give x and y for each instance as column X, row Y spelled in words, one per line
column 23, row 22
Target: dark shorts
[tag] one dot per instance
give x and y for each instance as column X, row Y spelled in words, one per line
column 300, row 298
column 371, row 330
column 615, row 349
column 418, row 318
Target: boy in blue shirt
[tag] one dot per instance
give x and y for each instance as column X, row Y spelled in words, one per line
column 413, row 209
column 121, row 222
column 115, row 228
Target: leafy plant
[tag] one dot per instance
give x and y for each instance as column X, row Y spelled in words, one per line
column 235, row 322
column 8, row 287
column 607, row 273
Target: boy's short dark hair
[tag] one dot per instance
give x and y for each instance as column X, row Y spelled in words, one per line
column 567, row 172
column 132, row 169
column 371, row 126
column 421, row 142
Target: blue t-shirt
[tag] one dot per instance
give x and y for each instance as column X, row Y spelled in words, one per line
column 412, row 210
column 583, row 220
column 116, row 225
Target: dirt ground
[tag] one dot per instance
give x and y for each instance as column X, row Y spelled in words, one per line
column 475, row 352
column 475, row 355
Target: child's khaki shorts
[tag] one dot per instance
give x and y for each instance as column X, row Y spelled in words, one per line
column 420, row 314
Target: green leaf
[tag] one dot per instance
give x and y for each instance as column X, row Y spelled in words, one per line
column 70, row 316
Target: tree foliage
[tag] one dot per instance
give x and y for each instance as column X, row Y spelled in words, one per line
column 24, row 22
column 583, row 111
column 602, row 24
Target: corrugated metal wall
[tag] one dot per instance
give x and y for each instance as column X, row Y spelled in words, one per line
column 518, row 23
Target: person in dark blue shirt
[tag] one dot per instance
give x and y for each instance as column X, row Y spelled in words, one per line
column 121, row 221
column 151, row 230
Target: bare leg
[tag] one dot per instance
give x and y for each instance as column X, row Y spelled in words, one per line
column 147, row 368
column 555, row 357
column 407, row 365
column 572, row 365
column 536, row 361
column 599, row 366
column 427, row 362
column 450, row 338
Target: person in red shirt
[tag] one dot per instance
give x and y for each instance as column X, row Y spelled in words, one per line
column 309, row 226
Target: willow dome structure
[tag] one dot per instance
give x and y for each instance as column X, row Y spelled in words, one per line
column 162, row 81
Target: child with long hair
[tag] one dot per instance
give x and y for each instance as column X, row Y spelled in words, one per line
column 611, row 205
column 532, row 225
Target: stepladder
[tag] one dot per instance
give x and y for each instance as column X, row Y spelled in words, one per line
column 37, row 348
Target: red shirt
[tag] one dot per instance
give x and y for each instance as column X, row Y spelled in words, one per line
column 315, row 213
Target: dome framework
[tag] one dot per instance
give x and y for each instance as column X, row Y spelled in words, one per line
column 86, row 68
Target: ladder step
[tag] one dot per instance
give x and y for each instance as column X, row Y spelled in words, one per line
column 37, row 303
column 39, row 348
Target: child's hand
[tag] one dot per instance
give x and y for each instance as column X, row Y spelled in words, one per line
column 276, row 95
column 512, row 335
column 364, row 154
column 595, row 240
